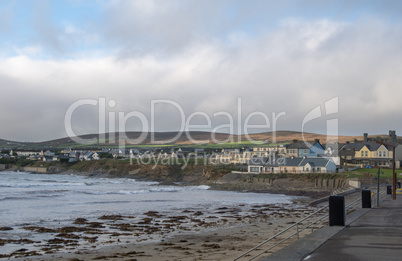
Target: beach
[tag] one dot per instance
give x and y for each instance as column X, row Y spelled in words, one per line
column 90, row 220
column 221, row 234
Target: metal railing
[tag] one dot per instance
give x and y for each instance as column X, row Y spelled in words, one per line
column 321, row 218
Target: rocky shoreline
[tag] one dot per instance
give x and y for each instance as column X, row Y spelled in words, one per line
column 217, row 177
column 219, row 233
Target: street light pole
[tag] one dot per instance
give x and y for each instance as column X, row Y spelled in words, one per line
column 378, row 187
column 393, row 174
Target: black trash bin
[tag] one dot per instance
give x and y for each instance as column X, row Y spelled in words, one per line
column 398, row 184
column 337, row 214
column 389, row 190
column 366, row 199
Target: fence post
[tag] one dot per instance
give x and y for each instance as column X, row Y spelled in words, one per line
column 389, row 190
column 366, row 199
column 337, row 214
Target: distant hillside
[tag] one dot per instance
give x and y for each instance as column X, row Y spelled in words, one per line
column 288, row 136
column 183, row 139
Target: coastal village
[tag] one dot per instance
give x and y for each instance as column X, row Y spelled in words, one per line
column 293, row 157
column 200, row 130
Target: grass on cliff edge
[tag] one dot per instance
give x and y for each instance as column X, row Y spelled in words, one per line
column 384, row 173
column 360, row 173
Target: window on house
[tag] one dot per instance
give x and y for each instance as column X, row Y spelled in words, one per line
column 254, row 169
column 362, row 153
column 380, row 154
column 305, row 151
column 366, row 153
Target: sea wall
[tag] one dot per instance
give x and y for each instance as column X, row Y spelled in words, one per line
column 355, row 183
column 296, row 184
column 2, row 166
column 36, row 169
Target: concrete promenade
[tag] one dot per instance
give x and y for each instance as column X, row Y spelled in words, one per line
column 370, row 234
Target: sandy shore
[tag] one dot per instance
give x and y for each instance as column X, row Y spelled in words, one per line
column 208, row 234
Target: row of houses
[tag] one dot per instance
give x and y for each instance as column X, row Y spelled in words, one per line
column 292, row 165
column 295, row 149
column 70, row 155
column 371, row 152
column 48, row 156
column 228, row 156
column 367, row 152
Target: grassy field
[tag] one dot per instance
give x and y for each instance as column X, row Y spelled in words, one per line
column 227, row 145
column 384, row 173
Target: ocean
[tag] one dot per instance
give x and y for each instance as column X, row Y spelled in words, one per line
column 34, row 199
column 42, row 213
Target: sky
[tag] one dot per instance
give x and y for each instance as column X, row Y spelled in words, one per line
column 78, row 67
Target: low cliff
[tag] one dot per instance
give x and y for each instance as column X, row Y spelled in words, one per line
column 166, row 174
column 217, row 176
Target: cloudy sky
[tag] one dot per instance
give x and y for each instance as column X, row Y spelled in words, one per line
column 205, row 58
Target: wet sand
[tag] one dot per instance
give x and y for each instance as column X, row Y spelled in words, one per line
column 194, row 234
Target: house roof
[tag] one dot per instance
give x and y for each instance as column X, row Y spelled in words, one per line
column 300, row 145
column 315, row 162
column 303, row 145
column 292, row 161
column 372, row 146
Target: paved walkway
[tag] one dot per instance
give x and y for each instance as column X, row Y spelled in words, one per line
column 372, row 234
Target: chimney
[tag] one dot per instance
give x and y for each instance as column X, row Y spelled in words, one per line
column 317, row 140
column 365, row 135
column 392, row 136
column 347, row 142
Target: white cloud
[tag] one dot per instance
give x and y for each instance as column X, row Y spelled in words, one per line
column 30, row 51
column 293, row 68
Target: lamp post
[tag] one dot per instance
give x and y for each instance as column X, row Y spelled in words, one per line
column 378, row 187
column 393, row 168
